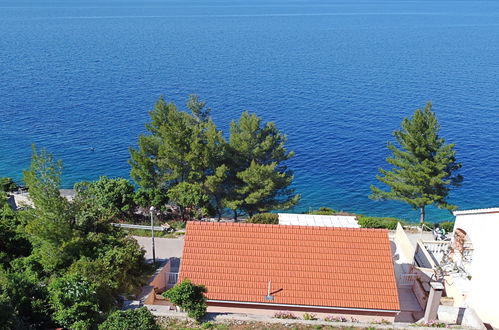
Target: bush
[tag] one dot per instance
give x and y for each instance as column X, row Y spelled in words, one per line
column 74, row 301
column 334, row 318
column 266, row 218
column 189, row 297
column 323, row 211
column 7, row 185
column 448, row 226
column 377, row 222
column 177, row 225
column 284, row 315
column 309, row 317
column 140, row 318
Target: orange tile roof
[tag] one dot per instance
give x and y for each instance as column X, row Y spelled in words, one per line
column 313, row 266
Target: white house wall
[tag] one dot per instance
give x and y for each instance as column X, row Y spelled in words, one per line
column 483, row 231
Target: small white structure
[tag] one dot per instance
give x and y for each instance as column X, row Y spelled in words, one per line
column 344, row 221
column 479, row 229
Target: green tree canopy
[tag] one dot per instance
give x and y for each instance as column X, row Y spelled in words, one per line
column 259, row 175
column 179, row 147
column 74, row 301
column 51, row 222
column 423, row 165
column 13, row 241
column 7, row 184
column 140, row 318
column 61, row 263
column 188, row 196
column 112, row 197
column 186, row 154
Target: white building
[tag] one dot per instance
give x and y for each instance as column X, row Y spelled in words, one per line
column 468, row 264
column 476, row 231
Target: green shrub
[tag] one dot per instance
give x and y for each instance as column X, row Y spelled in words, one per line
column 285, row 315
column 266, row 218
column 177, row 225
column 448, row 226
column 140, row 318
column 74, row 301
column 323, row 211
column 7, row 185
column 309, row 317
column 189, row 297
column 377, row 222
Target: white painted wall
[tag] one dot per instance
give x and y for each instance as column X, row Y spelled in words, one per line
column 482, row 227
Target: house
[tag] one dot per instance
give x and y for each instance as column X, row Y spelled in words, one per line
column 473, row 251
column 347, row 221
column 264, row 269
column 465, row 265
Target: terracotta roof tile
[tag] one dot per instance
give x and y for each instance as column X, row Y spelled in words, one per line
column 316, row 266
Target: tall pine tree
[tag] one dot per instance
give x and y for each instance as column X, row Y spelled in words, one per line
column 424, row 166
column 180, row 147
column 258, row 175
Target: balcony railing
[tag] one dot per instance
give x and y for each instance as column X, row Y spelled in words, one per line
column 439, row 254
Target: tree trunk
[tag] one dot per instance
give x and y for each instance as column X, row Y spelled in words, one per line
column 422, row 215
column 182, row 213
column 235, row 215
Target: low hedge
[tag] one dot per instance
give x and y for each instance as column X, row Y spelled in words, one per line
column 266, row 218
column 323, row 211
column 448, row 226
column 378, row 222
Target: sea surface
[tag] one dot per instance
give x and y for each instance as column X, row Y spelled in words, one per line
column 78, row 78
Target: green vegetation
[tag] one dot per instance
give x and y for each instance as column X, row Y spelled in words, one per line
column 190, row 297
column 424, row 166
column 448, row 226
column 175, row 323
column 140, row 318
column 74, row 300
column 268, row 218
column 185, row 159
column 309, row 317
column 285, row 315
column 8, row 185
column 379, row 222
column 112, row 198
column 323, row 211
column 61, row 262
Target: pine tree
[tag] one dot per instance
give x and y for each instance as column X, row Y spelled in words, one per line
column 180, row 147
column 259, row 177
column 424, row 166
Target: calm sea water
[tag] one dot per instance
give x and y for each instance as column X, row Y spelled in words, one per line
column 78, row 77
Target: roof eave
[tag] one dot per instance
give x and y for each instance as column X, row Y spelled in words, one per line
column 476, row 211
column 305, row 306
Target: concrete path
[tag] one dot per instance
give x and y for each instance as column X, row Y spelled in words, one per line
column 166, row 248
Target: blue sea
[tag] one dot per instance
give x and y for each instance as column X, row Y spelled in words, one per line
column 78, row 78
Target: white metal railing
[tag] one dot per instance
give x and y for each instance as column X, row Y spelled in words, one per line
column 438, row 249
column 468, row 254
column 450, row 260
column 127, row 225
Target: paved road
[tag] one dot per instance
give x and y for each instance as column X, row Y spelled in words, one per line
column 165, row 247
